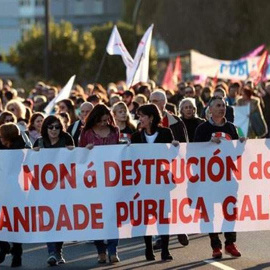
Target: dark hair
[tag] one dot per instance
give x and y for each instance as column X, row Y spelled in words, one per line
column 96, row 114
column 128, row 93
column 248, row 91
column 33, row 119
column 235, row 85
column 9, row 95
column 65, row 115
column 215, row 98
column 10, row 132
column 48, row 121
column 151, row 110
column 71, row 109
column 94, row 98
column 4, row 114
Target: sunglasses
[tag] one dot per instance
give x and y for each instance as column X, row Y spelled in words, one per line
column 56, row 127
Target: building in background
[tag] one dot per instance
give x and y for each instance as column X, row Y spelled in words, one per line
column 17, row 16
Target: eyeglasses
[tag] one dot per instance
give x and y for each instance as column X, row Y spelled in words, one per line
column 56, row 127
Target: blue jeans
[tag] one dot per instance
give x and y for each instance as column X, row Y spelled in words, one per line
column 55, row 247
column 111, row 246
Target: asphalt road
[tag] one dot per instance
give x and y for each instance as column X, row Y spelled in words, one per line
column 82, row 255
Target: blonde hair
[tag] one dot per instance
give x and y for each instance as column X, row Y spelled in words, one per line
column 19, row 107
column 119, row 105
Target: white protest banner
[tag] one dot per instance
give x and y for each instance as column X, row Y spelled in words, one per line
column 224, row 69
column 126, row 191
column 241, row 118
column 63, row 94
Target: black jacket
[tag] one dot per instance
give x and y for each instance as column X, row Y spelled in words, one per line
column 77, row 132
column 177, row 127
column 164, row 136
column 205, row 131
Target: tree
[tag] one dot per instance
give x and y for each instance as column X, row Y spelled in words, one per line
column 70, row 54
column 114, row 68
column 224, row 29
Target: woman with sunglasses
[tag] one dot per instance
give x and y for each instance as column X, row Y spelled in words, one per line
column 53, row 136
column 100, row 129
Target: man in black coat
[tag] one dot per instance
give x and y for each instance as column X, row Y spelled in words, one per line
column 169, row 120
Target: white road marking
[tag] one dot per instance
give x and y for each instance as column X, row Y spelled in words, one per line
column 219, row 265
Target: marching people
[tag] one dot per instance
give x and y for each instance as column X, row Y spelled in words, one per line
column 100, row 129
column 10, row 136
column 67, row 105
column 209, row 131
column 123, row 120
column 191, row 93
column 188, row 114
column 178, row 128
column 128, row 98
column 18, row 109
column 158, row 97
column 54, row 136
column 152, row 132
column 35, row 125
column 257, row 126
column 75, row 129
column 229, row 115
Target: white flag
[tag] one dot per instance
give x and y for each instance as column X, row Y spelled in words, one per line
column 139, row 71
column 116, row 47
column 63, row 94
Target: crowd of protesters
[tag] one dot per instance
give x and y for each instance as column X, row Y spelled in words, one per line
column 146, row 113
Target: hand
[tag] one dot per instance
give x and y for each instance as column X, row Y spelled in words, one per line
column 175, row 143
column 89, row 146
column 242, row 139
column 36, row 148
column 70, row 147
column 215, row 140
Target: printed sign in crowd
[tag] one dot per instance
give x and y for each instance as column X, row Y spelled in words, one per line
column 240, row 69
column 126, row 191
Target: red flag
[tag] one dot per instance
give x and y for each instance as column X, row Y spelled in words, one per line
column 167, row 82
column 172, row 75
column 177, row 72
column 262, row 66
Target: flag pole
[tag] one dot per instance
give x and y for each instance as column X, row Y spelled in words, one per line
column 100, row 67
